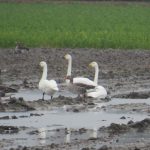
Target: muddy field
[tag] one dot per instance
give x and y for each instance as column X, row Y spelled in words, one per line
column 119, row 69
column 120, row 122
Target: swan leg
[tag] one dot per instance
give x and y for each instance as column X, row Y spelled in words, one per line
column 84, row 97
column 78, row 96
column 43, row 96
column 51, row 97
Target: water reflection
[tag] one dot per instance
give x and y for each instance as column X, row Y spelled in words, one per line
column 68, row 135
column 93, row 133
column 42, row 135
column 35, row 94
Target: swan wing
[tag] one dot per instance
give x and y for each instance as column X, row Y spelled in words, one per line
column 83, row 81
column 53, row 84
column 48, row 85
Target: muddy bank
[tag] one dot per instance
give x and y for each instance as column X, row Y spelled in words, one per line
column 14, row 104
column 143, row 94
column 113, row 63
column 120, row 128
column 18, row 105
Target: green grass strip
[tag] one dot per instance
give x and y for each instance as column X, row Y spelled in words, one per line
column 83, row 25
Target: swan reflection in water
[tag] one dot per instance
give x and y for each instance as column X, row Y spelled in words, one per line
column 94, row 133
column 42, row 135
column 68, row 135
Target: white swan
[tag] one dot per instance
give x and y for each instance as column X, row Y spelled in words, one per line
column 47, row 86
column 99, row 91
column 77, row 85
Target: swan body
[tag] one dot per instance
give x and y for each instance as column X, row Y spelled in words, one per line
column 77, row 85
column 47, row 86
column 80, row 85
column 98, row 91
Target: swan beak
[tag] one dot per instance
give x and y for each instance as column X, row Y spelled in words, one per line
column 65, row 56
column 90, row 65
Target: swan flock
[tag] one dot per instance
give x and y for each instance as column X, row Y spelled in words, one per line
column 81, row 86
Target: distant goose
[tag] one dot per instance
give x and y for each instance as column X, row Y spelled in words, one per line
column 0, row 76
column 98, row 91
column 20, row 48
column 47, row 86
column 77, row 85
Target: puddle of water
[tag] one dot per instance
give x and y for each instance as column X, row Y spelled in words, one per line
column 35, row 94
column 72, row 120
column 59, row 118
column 46, row 137
column 118, row 101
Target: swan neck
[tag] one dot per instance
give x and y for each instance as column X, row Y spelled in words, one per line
column 44, row 75
column 96, row 75
column 69, row 67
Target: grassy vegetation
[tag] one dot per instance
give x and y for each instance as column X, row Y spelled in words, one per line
column 94, row 25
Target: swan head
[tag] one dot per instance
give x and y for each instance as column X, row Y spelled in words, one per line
column 93, row 64
column 67, row 56
column 42, row 63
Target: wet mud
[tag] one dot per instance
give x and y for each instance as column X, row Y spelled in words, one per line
column 120, row 70
column 18, row 105
column 124, row 73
